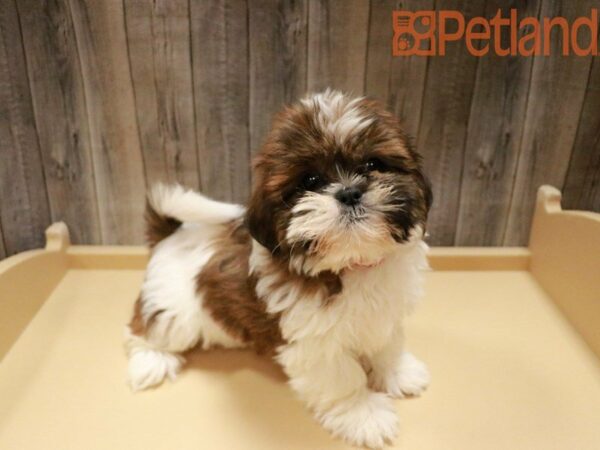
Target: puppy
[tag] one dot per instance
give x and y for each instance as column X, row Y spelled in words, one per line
column 318, row 271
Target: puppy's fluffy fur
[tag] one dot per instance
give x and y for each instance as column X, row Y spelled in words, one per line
column 318, row 271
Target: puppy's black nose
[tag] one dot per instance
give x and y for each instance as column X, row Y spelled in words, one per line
column 349, row 196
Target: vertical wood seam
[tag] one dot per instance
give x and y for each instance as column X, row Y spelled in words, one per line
column 364, row 78
column 87, row 120
column 389, row 69
column 20, row 165
column 248, row 110
column 193, row 80
column 418, row 130
column 464, row 143
column 587, row 85
column 308, row 28
column 520, row 146
column 464, row 146
column 156, row 90
column 306, row 17
column 37, row 135
column 228, row 102
column 141, row 155
column 133, row 93
column 464, row 149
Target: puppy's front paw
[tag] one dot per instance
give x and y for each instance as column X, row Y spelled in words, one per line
column 369, row 420
column 409, row 377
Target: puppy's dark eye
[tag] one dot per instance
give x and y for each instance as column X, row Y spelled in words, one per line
column 311, row 181
column 375, row 164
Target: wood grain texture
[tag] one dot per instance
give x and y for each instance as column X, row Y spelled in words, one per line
column 158, row 39
column 494, row 137
column 59, row 104
column 278, row 60
column 115, row 146
column 220, row 69
column 337, row 45
column 24, row 210
column 554, row 107
column 443, row 128
column 398, row 81
column 99, row 99
column 582, row 185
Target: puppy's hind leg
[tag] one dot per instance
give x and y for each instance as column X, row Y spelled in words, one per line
column 149, row 366
column 154, row 341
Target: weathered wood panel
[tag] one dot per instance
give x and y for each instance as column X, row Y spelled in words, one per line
column 128, row 92
column 158, row 39
column 220, row 72
column 24, row 211
column 61, row 117
column 118, row 165
column 443, row 128
column 337, row 44
column 494, row 137
column 399, row 82
column 582, row 185
column 278, row 64
column 556, row 97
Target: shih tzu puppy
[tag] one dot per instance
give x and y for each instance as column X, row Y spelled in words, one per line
column 317, row 271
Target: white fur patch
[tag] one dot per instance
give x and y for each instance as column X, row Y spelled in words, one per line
column 338, row 114
column 339, row 240
column 190, row 206
column 402, row 375
column 368, row 420
column 413, row 376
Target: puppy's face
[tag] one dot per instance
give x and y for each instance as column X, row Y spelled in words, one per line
column 337, row 185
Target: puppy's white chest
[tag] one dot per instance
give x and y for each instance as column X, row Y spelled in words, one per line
column 370, row 309
column 364, row 316
column 374, row 301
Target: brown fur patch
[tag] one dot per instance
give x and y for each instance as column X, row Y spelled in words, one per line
column 229, row 295
column 138, row 326
column 229, row 292
column 158, row 226
column 327, row 283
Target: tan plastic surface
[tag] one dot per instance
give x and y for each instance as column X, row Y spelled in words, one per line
column 509, row 371
column 26, row 280
column 565, row 260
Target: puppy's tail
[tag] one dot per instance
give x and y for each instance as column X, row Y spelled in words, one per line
column 167, row 207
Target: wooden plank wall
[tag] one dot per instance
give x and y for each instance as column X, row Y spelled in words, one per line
column 100, row 99
column 24, row 206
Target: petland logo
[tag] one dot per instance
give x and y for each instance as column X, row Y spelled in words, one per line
column 427, row 33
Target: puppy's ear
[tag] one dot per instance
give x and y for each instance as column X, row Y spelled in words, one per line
column 425, row 185
column 260, row 222
column 261, row 212
column 421, row 179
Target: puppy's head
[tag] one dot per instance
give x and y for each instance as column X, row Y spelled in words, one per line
column 336, row 185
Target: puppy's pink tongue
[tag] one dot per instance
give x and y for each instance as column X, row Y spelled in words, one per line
column 364, row 266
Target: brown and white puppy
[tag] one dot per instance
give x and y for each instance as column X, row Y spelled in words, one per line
column 318, row 271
